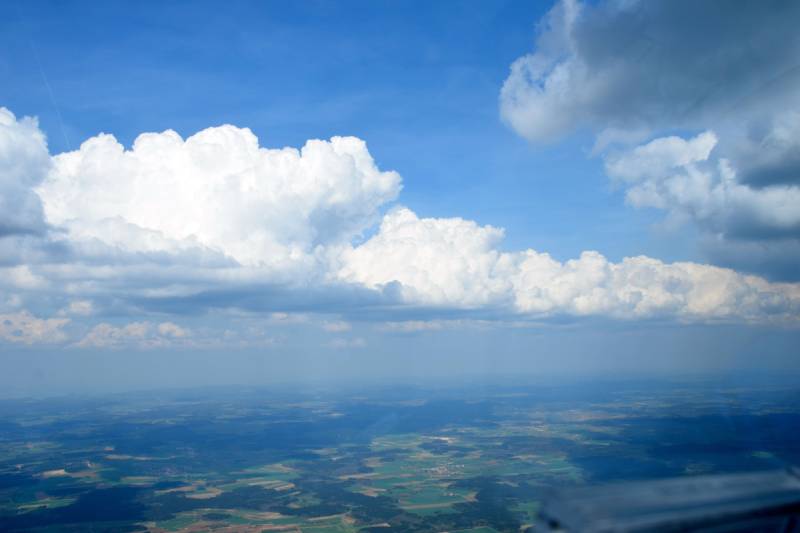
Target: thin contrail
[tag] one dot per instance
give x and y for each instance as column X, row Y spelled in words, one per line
column 44, row 78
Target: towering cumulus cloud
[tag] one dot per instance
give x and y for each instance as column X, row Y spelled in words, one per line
column 725, row 76
column 24, row 161
column 216, row 220
column 220, row 190
column 436, row 261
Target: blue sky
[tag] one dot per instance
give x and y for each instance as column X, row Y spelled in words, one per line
column 418, row 81
column 588, row 133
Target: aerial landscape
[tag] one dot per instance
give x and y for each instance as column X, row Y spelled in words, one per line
column 399, row 458
column 339, row 266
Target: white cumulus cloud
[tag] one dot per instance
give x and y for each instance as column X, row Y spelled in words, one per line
column 217, row 222
column 170, row 329
column 220, row 190
column 642, row 287
column 24, row 328
column 21, row 277
column 457, row 264
column 680, row 176
column 79, row 308
column 436, row 261
column 143, row 334
column 24, row 161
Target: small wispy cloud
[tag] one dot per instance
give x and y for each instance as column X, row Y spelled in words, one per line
column 342, row 343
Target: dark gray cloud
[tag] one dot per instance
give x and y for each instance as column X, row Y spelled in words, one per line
column 633, row 71
column 683, row 62
column 776, row 259
column 767, row 153
column 656, row 64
